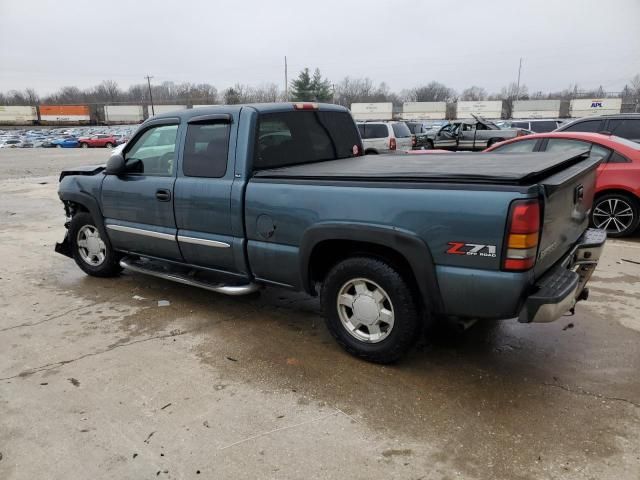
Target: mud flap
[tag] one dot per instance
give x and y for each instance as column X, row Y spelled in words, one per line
column 64, row 247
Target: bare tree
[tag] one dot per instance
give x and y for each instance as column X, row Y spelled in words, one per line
column 474, row 93
column 432, row 92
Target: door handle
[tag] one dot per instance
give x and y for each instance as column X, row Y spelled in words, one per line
column 163, row 195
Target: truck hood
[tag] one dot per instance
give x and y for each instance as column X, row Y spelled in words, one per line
column 86, row 170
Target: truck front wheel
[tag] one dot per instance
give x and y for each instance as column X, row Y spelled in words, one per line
column 90, row 251
column 370, row 309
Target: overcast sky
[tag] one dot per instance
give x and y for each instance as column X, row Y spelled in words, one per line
column 49, row 44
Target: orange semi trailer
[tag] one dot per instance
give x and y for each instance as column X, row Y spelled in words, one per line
column 64, row 114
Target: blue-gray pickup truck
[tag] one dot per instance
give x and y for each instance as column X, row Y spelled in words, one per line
column 233, row 198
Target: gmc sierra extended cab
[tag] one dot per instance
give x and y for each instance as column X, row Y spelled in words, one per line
column 233, row 198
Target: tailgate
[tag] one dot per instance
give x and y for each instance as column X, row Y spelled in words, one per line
column 567, row 202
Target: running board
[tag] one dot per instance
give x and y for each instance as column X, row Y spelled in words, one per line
column 155, row 270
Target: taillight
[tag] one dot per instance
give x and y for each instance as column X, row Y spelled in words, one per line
column 413, row 140
column 392, row 143
column 523, row 235
column 305, row 106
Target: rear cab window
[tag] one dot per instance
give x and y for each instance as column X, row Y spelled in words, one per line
column 298, row 137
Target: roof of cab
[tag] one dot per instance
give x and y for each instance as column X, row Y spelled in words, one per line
column 186, row 114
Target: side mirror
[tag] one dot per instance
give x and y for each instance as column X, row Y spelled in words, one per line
column 115, row 165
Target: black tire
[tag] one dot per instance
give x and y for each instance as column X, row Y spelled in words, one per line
column 108, row 145
column 110, row 266
column 428, row 145
column 494, row 141
column 58, row 146
column 407, row 320
column 84, row 145
column 622, row 223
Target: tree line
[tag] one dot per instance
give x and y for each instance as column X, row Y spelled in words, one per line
column 306, row 86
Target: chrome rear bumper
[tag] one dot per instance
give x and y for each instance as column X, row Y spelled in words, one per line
column 558, row 290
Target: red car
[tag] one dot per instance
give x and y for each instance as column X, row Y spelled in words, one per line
column 616, row 207
column 100, row 140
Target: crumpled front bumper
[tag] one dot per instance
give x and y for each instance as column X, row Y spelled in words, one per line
column 563, row 286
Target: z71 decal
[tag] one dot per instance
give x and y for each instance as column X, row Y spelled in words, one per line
column 474, row 249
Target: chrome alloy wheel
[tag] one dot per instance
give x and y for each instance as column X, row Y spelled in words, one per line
column 365, row 310
column 613, row 215
column 91, row 247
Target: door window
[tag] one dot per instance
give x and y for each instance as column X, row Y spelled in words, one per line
column 543, row 126
column 587, row 126
column 599, row 152
column 153, row 153
column 564, row 144
column 523, row 146
column 205, row 150
column 626, row 128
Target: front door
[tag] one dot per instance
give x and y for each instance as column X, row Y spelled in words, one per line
column 446, row 137
column 203, row 193
column 138, row 205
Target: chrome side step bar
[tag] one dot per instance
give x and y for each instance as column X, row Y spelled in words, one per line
column 234, row 290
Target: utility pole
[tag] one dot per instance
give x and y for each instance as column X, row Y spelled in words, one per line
column 148, row 77
column 518, row 88
column 286, row 81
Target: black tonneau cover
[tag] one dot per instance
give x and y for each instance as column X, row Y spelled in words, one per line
column 497, row 168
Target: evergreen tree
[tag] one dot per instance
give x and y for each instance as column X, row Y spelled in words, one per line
column 301, row 87
column 320, row 87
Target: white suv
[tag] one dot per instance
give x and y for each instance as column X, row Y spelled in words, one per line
column 382, row 137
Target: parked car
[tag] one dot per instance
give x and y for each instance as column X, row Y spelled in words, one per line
column 197, row 198
column 101, row 140
column 616, row 206
column 11, row 143
column 625, row 125
column 536, row 125
column 66, row 142
column 418, row 135
column 383, row 137
column 473, row 135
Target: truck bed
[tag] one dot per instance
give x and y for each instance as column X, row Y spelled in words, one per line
column 487, row 168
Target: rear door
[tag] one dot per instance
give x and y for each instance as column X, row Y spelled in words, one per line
column 138, row 206
column 203, row 192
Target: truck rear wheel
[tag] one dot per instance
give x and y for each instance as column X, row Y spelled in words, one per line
column 370, row 309
column 90, row 251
